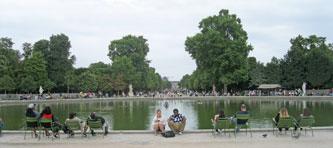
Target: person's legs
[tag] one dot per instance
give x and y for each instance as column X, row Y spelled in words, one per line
column 161, row 126
column 182, row 127
column 239, row 126
column 2, row 125
column 177, row 127
column 171, row 125
column 106, row 128
column 85, row 130
column 156, row 128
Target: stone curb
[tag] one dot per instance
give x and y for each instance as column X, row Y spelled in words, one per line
column 186, row 131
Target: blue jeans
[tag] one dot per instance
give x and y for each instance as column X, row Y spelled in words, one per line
column 2, row 125
column 238, row 125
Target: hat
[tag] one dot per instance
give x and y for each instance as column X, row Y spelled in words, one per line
column 31, row 106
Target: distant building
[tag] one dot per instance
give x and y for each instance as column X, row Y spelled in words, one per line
column 174, row 84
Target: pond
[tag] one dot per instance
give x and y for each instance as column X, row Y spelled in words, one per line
column 138, row 114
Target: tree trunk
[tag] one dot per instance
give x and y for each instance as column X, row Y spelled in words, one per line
column 225, row 89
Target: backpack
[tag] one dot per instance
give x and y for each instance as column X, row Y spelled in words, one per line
column 168, row 134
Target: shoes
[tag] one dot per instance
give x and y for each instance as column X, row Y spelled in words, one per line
column 56, row 136
column 72, row 134
column 84, row 135
column 106, row 133
column 36, row 135
column 180, row 133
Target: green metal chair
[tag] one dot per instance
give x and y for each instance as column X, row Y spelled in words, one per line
column 73, row 125
column 225, row 124
column 288, row 122
column 47, row 121
column 26, row 128
column 96, row 125
column 306, row 122
column 247, row 124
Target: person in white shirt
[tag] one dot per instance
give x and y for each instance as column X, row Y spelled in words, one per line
column 158, row 122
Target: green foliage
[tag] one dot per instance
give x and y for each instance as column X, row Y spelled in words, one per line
column 7, row 83
column 58, row 60
column 273, row 71
column 87, row 82
column 35, row 66
column 28, row 84
column 27, row 49
column 220, row 51
column 123, row 67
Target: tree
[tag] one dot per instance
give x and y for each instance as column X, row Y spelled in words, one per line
column 58, row 60
column 135, row 49
column 35, row 66
column 220, row 49
column 27, row 49
column 119, row 84
column 123, row 66
column 257, row 75
column 87, row 81
column 318, row 67
column 43, row 47
column 28, row 84
column 6, row 83
column 273, row 71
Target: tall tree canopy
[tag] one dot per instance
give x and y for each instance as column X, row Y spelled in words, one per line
column 220, row 49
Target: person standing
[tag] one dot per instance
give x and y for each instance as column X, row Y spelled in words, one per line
column 177, row 122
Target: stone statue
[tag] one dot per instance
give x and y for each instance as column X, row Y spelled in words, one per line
column 130, row 92
column 304, row 88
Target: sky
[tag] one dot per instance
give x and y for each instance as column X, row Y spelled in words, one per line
column 92, row 24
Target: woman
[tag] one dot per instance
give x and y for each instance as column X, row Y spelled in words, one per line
column 282, row 114
column 30, row 112
column 220, row 115
column 158, row 122
column 46, row 113
column 306, row 113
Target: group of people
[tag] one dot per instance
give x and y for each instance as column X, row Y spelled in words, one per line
column 176, row 122
column 56, row 126
column 283, row 113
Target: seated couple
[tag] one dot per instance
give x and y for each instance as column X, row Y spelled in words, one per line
column 239, row 122
column 176, row 122
column 92, row 117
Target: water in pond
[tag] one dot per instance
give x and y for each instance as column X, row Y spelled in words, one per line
column 138, row 114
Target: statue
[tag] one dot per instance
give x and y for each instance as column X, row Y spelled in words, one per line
column 130, row 92
column 304, row 88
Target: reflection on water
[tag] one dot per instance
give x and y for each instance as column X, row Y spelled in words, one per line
column 138, row 114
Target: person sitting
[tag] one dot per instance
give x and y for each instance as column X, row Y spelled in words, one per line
column 158, row 122
column 31, row 112
column 177, row 122
column 220, row 115
column 306, row 113
column 93, row 117
column 2, row 125
column 46, row 113
column 72, row 117
column 240, row 122
column 282, row 114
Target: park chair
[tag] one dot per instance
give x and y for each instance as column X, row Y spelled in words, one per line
column 288, row 122
column 247, row 124
column 224, row 124
column 73, row 125
column 26, row 128
column 306, row 122
column 96, row 125
column 52, row 128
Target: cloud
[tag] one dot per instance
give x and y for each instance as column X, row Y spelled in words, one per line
column 92, row 24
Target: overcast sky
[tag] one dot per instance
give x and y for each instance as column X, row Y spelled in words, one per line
column 92, row 24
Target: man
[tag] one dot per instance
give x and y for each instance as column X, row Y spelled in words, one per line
column 93, row 117
column 73, row 118
column 177, row 122
column 240, row 122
